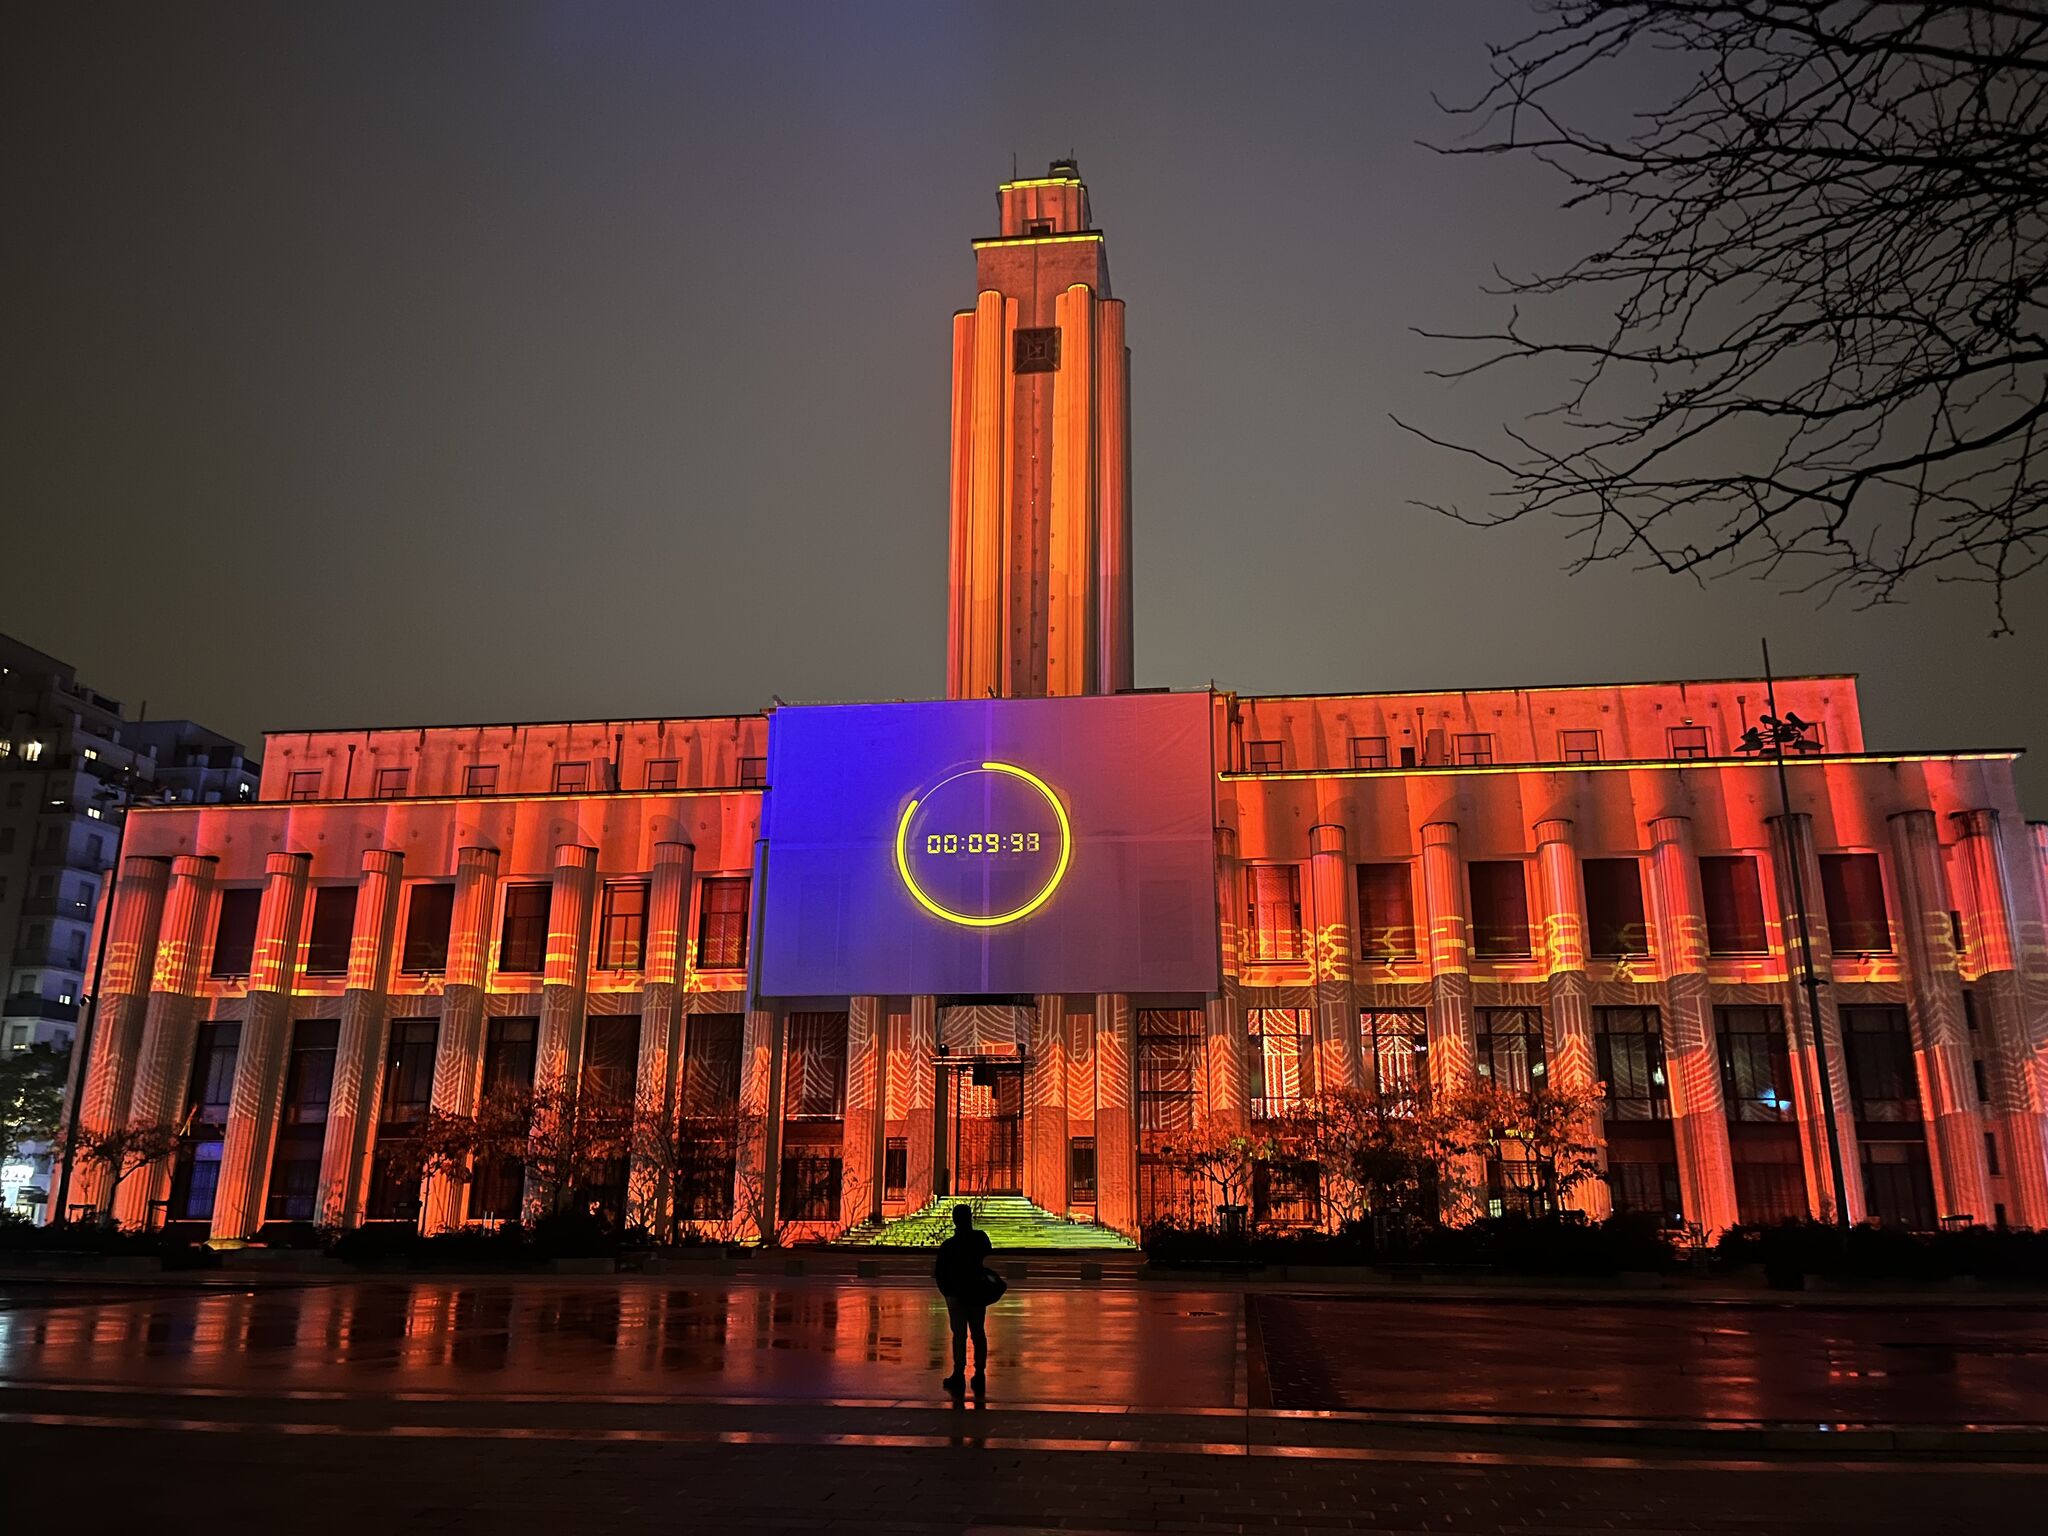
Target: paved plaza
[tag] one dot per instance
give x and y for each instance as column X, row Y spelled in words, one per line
column 739, row 1404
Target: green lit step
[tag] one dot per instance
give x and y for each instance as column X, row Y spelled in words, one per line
column 1011, row 1221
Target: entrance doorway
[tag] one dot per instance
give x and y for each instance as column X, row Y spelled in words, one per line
column 984, row 1127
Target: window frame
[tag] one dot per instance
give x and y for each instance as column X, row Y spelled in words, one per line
column 480, row 779
column 1679, row 751
column 577, row 765
column 1362, row 755
column 1472, row 749
column 305, row 784
column 1498, row 949
column 1393, row 948
column 392, row 783
column 1254, row 943
column 618, row 950
column 705, row 913
column 670, row 768
column 1266, row 755
column 1580, row 752
column 523, row 889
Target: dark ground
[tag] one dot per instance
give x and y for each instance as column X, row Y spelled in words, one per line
column 743, row 1405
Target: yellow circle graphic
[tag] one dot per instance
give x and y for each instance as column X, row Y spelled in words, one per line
column 1044, row 893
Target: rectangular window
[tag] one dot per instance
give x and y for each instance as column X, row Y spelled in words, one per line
column 1169, row 1054
column 480, row 779
column 622, row 928
column 523, row 938
column 1474, row 750
column 1500, row 909
column 1509, row 1047
column 722, row 923
column 1395, row 1053
column 611, row 1061
column 498, row 1184
column 1265, row 756
column 572, row 778
column 1756, row 1066
column 1282, row 1055
column 391, row 782
column 1687, row 740
column 234, row 933
column 1386, row 912
column 1630, row 1042
column 1877, row 1047
column 1983, row 1084
column 753, row 773
column 664, row 773
column 394, row 1193
column 195, row 1173
column 811, row 1180
column 1735, row 905
column 306, row 786
column 895, row 1167
column 711, row 1065
column 429, row 912
column 1853, row 889
column 1614, row 908
column 814, row 1067
column 1368, row 751
column 1273, row 912
column 302, row 1125
column 333, row 925
column 1647, row 1189
column 1081, row 1178
column 1579, row 746
column 1991, row 1154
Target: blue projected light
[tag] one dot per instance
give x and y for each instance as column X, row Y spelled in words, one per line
column 989, row 845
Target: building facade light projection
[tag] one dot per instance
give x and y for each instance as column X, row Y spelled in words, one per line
column 1025, row 938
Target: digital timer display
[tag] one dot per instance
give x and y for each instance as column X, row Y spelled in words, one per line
column 1003, row 872
column 984, row 843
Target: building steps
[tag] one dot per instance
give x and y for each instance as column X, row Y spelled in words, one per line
column 1011, row 1221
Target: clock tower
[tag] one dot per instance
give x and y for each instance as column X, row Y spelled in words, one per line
column 1039, row 594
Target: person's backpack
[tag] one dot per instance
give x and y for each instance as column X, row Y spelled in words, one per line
column 993, row 1285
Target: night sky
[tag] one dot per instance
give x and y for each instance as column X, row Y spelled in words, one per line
column 383, row 365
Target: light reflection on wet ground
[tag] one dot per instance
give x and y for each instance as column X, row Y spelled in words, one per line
column 794, row 1340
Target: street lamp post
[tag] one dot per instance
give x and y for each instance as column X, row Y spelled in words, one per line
column 1809, row 976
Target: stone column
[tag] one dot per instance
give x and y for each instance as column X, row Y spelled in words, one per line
column 920, row 1121
column 558, row 1056
column 1692, row 1066
column 1452, row 1045
column 861, row 1149
column 1225, row 1041
column 2016, row 1050
column 1948, row 1090
column 757, row 1175
column 120, row 999
column 1792, row 848
column 1045, row 1106
column 1568, row 996
column 266, row 1041
column 359, row 1043
column 170, row 1019
column 1116, row 1113
column 1336, row 1007
column 661, row 1017
column 459, row 1064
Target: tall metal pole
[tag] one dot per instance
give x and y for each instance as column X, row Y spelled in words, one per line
column 1809, row 976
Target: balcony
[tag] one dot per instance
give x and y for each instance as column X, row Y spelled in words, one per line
column 35, row 1005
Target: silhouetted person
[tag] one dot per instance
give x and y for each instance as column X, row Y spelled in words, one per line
column 968, row 1289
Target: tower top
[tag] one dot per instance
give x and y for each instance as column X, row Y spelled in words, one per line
column 1038, row 206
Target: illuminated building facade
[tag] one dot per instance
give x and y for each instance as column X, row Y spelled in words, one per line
column 1019, row 984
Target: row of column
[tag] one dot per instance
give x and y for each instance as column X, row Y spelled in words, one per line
column 150, row 1006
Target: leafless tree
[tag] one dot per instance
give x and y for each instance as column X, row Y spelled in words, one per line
column 126, row 1150
column 1819, row 353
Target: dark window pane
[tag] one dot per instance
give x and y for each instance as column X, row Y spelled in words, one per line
column 1386, row 912
column 814, row 1067
column 611, row 1059
column 1169, row 1056
column 1395, row 1047
column 1735, row 905
column 1265, row 756
column 1500, row 909
column 234, row 935
column 1273, row 912
column 622, row 931
column 523, row 941
column 430, row 910
column 1510, row 1048
column 408, row 1071
column 1614, row 908
column 1877, row 1043
column 1854, row 890
column 1282, row 1059
column 334, row 921
column 1631, row 1046
column 711, row 1064
column 722, row 924
column 1756, row 1066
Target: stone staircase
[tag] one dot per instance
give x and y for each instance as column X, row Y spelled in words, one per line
column 1011, row 1221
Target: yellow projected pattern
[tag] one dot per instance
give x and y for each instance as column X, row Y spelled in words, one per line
column 993, row 843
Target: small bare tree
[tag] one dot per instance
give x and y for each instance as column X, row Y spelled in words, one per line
column 1818, row 348
column 688, row 1174
column 126, row 1150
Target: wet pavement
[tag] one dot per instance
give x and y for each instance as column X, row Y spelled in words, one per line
column 812, row 1404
